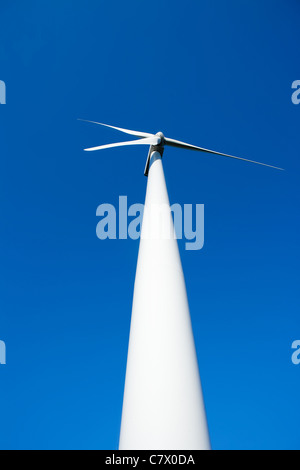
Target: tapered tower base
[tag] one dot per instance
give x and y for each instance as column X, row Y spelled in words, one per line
column 163, row 405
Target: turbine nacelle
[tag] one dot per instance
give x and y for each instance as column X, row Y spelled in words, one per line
column 155, row 148
column 157, row 143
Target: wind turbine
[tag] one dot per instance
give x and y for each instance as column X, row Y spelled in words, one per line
column 163, row 406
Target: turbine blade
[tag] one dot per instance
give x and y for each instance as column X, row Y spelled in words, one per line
column 148, row 141
column 125, row 131
column 183, row 145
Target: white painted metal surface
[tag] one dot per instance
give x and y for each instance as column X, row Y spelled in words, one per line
column 163, row 405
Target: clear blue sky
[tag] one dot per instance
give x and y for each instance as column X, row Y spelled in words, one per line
column 217, row 74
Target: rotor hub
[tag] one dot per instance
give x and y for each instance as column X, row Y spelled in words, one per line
column 162, row 137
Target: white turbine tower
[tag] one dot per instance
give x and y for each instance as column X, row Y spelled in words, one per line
column 163, row 405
